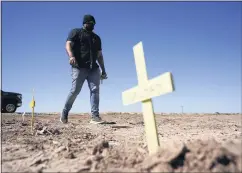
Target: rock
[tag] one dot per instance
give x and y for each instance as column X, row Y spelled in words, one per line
column 69, row 155
column 62, row 148
column 98, row 149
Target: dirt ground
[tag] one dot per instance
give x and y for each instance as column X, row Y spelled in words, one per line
column 189, row 143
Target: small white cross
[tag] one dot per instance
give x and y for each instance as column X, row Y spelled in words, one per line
column 146, row 90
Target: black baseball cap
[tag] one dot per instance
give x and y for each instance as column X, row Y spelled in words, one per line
column 88, row 18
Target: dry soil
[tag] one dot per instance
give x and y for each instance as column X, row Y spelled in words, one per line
column 189, row 143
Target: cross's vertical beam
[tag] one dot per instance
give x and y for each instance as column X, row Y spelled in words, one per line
column 147, row 105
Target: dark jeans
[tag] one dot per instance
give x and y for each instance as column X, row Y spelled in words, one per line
column 78, row 78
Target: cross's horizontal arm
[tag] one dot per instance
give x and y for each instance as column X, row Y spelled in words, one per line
column 157, row 86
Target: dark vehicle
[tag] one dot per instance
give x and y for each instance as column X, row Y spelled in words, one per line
column 10, row 101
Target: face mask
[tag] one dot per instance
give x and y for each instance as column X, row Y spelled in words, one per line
column 89, row 27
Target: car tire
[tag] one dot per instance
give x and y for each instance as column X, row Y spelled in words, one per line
column 10, row 108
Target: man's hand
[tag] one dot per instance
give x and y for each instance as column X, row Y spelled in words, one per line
column 104, row 75
column 72, row 60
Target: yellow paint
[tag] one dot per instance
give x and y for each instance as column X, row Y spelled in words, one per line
column 145, row 90
column 32, row 104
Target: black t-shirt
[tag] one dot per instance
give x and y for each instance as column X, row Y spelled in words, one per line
column 85, row 46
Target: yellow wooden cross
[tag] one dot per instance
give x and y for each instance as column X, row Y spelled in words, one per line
column 145, row 90
column 32, row 105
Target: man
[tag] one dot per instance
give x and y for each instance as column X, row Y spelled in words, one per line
column 84, row 48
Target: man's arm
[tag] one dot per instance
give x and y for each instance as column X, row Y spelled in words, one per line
column 68, row 49
column 71, row 38
column 100, row 55
column 101, row 61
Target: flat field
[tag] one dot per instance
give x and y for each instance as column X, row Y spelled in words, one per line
column 188, row 143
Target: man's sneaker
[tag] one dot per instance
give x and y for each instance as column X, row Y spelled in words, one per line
column 96, row 120
column 64, row 117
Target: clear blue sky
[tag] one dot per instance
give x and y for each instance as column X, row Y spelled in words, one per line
column 199, row 42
